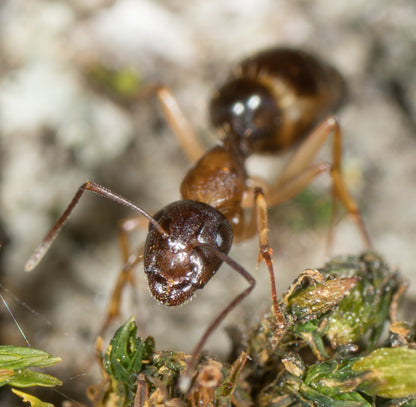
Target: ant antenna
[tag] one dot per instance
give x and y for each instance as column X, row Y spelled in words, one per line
column 98, row 189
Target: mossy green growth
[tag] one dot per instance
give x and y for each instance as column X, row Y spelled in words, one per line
column 137, row 373
column 331, row 352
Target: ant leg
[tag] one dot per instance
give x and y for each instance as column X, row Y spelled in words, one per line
column 186, row 377
column 177, row 121
column 259, row 224
column 98, row 189
column 129, row 259
column 299, row 173
column 266, row 252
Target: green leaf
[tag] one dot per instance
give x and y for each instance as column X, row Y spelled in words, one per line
column 17, row 357
column 123, row 360
column 28, row 378
column 5, row 374
column 352, row 399
column 14, row 361
column 394, row 372
column 126, row 352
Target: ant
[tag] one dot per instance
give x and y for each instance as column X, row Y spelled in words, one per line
column 273, row 101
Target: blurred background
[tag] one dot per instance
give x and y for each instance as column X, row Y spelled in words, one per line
column 62, row 121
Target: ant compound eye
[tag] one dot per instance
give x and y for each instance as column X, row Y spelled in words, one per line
column 223, row 237
column 219, row 240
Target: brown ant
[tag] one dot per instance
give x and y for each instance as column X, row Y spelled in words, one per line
column 271, row 102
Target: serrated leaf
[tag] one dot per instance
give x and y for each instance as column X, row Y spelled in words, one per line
column 34, row 401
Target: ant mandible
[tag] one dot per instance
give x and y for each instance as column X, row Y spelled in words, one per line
column 271, row 103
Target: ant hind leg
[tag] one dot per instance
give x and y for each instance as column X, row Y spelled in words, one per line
column 300, row 171
column 177, row 121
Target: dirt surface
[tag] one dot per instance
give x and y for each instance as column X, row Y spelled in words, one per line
column 57, row 130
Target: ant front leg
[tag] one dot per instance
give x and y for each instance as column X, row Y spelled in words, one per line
column 259, row 224
column 178, row 122
column 299, row 172
column 266, row 252
column 186, row 377
column 129, row 259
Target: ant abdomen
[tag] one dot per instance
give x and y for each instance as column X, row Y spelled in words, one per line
column 182, row 262
column 274, row 98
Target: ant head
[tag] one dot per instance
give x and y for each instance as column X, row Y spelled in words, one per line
column 184, row 261
column 247, row 110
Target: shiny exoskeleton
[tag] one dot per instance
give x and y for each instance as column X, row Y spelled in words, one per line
column 189, row 264
column 271, row 102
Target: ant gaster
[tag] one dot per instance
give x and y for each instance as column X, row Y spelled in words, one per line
column 271, row 102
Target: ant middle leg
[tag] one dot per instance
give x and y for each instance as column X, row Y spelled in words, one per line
column 299, row 172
